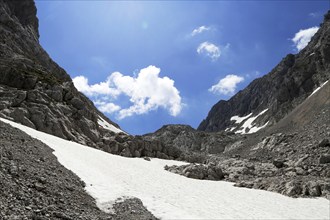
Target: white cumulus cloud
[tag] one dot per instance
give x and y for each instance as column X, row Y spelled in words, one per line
column 302, row 37
column 227, row 85
column 146, row 91
column 210, row 50
column 107, row 107
column 200, row 30
column 102, row 88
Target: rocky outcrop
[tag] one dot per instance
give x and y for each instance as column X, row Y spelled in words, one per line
column 281, row 90
column 187, row 139
column 198, row 171
column 137, row 146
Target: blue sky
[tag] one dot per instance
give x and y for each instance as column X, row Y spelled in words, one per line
column 152, row 63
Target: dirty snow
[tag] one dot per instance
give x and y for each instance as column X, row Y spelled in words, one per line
column 170, row 196
column 103, row 123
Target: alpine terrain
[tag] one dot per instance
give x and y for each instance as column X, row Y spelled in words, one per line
column 263, row 154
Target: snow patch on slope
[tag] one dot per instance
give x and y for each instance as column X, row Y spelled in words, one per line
column 239, row 119
column 171, row 196
column 256, row 128
column 248, row 123
column 318, row 88
column 104, row 124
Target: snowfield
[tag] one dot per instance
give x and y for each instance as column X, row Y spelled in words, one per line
column 169, row 196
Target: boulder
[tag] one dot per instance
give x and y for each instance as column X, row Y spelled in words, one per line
column 325, row 158
column 77, row 103
column 324, row 143
column 293, row 188
column 278, row 163
column 314, row 189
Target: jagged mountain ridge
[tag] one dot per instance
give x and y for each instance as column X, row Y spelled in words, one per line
column 278, row 92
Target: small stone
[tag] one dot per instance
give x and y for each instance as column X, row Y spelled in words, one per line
column 39, row 187
column 28, row 208
column 300, row 171
column 147, row 158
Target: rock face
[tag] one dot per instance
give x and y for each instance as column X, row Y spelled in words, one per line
column 34, row 90
column 281, row 90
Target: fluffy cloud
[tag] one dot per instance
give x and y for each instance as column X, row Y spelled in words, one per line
column 302, row 38
column 107, row 107
column 227, row 85
column 147, row 91
column 200, row 30
column 209, row 50
column 102, row 88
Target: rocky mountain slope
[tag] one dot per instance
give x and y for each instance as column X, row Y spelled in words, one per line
column 34, row 90
column 291, row 158
column 276, row 94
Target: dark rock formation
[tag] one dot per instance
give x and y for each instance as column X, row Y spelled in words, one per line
column 281, row 90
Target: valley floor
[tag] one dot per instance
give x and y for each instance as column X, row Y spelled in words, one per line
column 169, row 196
